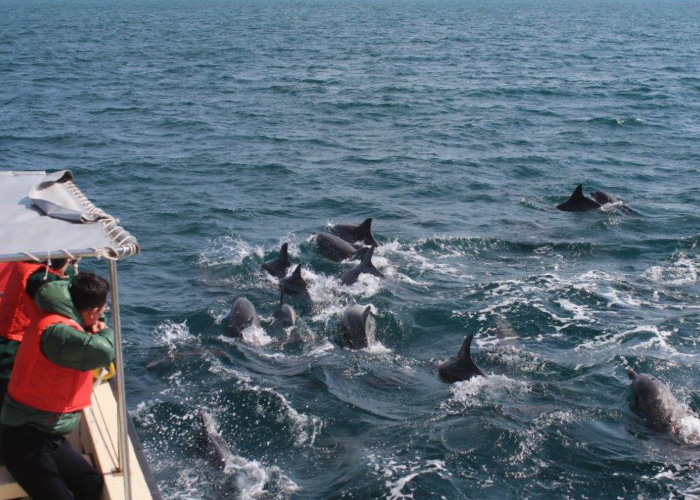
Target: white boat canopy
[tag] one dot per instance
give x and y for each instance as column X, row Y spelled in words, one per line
column 46, row 216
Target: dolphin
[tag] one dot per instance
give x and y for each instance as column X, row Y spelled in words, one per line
column 652, row 400
column 604, row 198
column 462, row 368
column 213, row 444
column 278, row 266
column 338, row 249
column 354, row 232
column 242, row 316
column 357, row 326
column 365, row 266
column 504, row 330
column 577, row 202
column 285, row 313
column 294, row 283
column 175, row 358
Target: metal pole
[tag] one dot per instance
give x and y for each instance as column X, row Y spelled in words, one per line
column 121, row 395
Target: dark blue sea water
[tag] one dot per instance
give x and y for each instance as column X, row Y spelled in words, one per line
column 216, row 130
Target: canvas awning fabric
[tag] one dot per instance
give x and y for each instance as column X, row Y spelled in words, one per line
column 46, row 216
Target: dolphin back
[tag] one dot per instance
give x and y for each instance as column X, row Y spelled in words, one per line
column 294, row 284
column 356, row 232
column 652, row 400
column 577, row 202
column 335, row 248
column 278, row 266
column 462, row 368
column 604, row 198
column 365, row 266
column 212, row 444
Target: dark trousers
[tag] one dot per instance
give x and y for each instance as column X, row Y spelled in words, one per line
column 47, row 466
column 4, row 382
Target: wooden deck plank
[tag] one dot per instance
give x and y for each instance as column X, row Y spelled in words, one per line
column 9, row 489
column 100, row 422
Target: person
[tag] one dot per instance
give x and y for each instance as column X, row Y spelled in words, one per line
column 51, row 382
column 17, row 307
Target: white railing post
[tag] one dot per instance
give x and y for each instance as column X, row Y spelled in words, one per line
column 121, row 395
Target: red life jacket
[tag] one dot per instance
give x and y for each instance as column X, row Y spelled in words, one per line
column 5, row 271
column 17, row 308
column 40, row 383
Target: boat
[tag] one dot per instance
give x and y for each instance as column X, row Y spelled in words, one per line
column 46, row 216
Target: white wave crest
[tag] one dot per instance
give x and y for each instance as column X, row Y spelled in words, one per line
column 397, row 475
column 413, row 257
column 580, row 313
column 331, row 296
column 171, row 334
column 681, row 272
column 686, row 427
column 227, row 250
column 255, row 335
column 377, row 348
column 658, row 338
column 478, row 390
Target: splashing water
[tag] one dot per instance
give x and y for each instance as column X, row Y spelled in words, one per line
column 255, row 335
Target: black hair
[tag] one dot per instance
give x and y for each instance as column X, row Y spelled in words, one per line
column 88, row 291
column 57, row 263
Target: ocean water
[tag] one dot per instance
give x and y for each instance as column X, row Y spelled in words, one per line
column 217, row 130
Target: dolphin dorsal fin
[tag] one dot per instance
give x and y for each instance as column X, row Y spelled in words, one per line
column 361, row 252
column 366, row 226
column 283, row 252
column 578, row 192
column 297, row 272
column 465, row 351
column 367, row 257
column 366, row 313
column 632, row 374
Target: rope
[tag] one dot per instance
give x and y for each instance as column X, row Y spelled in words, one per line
column 48, row 265
column 36, row 259
column 120, row 236
column 70, row 255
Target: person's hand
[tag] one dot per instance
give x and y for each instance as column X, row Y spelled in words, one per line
column 98, row 327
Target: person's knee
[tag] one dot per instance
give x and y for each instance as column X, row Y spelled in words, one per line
column 91, row 487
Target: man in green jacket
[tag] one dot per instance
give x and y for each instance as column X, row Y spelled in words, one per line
column 51, row 382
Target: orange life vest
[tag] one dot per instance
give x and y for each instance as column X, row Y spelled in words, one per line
column 40, row 383
column 17, row 308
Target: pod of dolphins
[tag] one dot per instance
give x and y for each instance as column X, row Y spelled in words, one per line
column 647, row 396
column 348, row 242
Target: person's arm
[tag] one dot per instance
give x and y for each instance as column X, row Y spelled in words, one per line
column 39, row 279
column 71, row 348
